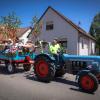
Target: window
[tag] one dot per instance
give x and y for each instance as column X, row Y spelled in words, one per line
column 82, row 44
column 64, row 44
column 49, row 25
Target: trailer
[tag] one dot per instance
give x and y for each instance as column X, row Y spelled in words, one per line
column 13, row 58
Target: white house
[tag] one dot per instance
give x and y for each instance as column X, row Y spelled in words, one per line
column 23, row 33
column 74, row 38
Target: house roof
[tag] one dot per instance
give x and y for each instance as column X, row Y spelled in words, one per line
column 19, row 33
column 79, row 29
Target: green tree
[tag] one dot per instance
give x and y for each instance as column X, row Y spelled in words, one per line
column 95, row 26
column 95, row 30
column 10, row 23
column 37, row 26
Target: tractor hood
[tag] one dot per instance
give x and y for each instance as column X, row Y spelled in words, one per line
column 81, row 58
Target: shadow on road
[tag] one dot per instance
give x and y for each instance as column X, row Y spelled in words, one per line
column 79, row 90
column 59, row 80
column 64, row 81
column 31, row 76
column 68, row 82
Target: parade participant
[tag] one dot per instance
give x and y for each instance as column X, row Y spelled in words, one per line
column 30, row 46
column 54, row 47
column 55, row 50
column 8, row 45
column 19, row 43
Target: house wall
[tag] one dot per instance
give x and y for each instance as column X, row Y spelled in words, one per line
column 76, row 42
column 24, row 37
column 61, row 29
column 86, row 45
column 92, row 47
column 83, row 45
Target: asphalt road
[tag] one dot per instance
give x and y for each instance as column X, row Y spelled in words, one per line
column 23, row 86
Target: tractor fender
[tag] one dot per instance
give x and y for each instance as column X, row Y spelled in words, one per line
column 81, row 73
column 48, row 56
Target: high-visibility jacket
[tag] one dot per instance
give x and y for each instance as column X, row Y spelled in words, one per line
column 54, row 48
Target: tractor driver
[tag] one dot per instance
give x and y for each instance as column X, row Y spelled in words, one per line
column 54, row 49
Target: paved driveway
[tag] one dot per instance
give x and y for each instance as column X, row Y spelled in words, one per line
column 23, row 86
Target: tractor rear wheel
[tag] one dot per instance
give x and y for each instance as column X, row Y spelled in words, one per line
column 44, row 69
column 88, row 82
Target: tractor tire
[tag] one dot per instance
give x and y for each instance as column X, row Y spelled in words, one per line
column 10, row 68
column 44, row 69
column 88, row 82
column 60, row 72
column 27, row 67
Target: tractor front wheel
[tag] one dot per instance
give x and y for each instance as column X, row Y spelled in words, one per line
column 88, row 82
column 44, row 69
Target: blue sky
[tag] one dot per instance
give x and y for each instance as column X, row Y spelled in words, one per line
column 75, row 10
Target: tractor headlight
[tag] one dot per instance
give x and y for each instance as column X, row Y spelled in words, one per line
column 93, row 66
